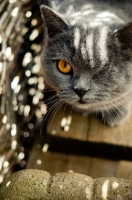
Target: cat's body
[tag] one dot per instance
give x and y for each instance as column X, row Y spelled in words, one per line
column 94, row 37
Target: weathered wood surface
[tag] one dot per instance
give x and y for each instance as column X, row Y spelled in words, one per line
column 54, row 162
column 89, row 128
column 81, row 130
column 58, row 162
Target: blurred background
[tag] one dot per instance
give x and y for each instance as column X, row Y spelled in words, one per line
column 21, row 82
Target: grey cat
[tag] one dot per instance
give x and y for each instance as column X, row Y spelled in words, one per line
column 87, row 55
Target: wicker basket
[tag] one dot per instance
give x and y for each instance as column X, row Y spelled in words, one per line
column 21, row 82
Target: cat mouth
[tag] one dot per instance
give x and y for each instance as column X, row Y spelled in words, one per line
column 81, row 101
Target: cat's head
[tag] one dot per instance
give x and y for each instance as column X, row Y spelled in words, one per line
column 86, row 65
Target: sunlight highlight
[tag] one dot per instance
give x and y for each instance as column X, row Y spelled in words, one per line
column 15, row 82
column 4, row 120
column 9, row 182
column 45, row 148
column 15, row 12
column 63, row 122
column 39, row 162
column 105, row 189
column 115, row 185
column 27, row 59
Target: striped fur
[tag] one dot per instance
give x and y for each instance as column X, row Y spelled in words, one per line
column 96, row 40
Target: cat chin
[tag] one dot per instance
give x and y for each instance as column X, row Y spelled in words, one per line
column 84, row 106
column 91, row 107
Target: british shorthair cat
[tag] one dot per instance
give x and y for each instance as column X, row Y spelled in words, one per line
column 87, row 55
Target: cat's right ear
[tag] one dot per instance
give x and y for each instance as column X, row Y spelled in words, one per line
column 53, row 21
column 124, row 36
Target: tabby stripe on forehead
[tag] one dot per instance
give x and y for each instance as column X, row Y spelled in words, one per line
column 102, row 45
column 89, row 45
column 83, row 51
column 77, row 38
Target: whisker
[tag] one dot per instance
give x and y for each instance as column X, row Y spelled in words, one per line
column 103, row 119
column 109, row 117
column 54, row 113
column 121, row 112
column 65, row 104
column 31, row 116
column 48, row 90
column 100, row 122
column 45, row 117
column 52, row 101
column 123, row 96
column 50, row 109
column 50, row 98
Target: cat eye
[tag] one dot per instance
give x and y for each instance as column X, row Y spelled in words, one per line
column 64, row 67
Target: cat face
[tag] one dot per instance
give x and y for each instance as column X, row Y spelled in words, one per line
column 99, row 62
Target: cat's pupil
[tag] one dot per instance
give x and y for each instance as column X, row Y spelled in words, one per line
column 65, row 64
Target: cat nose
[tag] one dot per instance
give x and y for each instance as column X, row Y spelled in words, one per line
column 80, row 92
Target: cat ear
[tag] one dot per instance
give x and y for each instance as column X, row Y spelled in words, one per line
column 124, row 36
column 53, row 21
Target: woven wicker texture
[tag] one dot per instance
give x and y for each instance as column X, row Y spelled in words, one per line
column 21, row 82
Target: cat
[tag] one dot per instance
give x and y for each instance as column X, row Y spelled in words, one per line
column 87, row 55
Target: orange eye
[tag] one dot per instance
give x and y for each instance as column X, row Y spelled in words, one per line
column 64, row 67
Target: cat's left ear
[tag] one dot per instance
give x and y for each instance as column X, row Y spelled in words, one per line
column 124, row 36
column 53, row 21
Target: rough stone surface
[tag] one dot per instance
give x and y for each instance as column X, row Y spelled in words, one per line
column 71, row 186
column 25, row 185
column 112, row 189
column 40, row 185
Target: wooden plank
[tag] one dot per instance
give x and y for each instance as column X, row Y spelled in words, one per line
column 80, row 129
column 124, row 170
column 90, row 129
column 120, row 135
column 54, row 162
